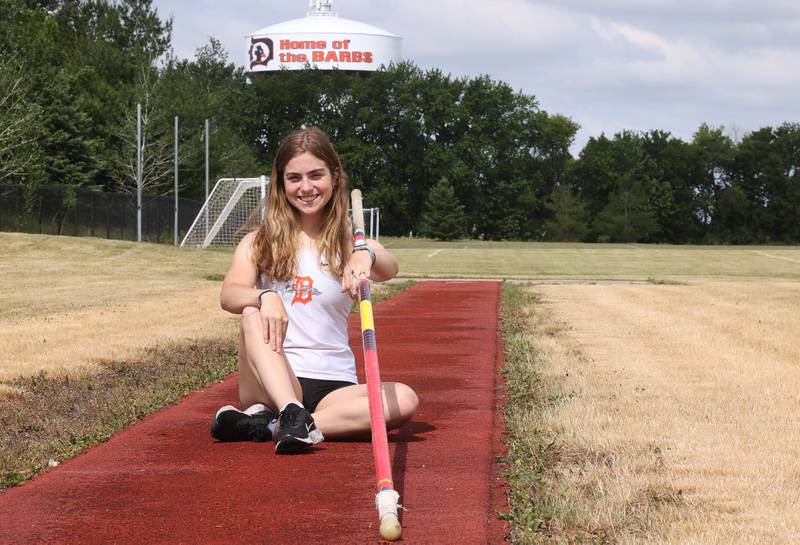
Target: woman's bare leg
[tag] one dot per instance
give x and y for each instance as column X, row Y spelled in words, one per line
column 344, row 412
column 264, row 375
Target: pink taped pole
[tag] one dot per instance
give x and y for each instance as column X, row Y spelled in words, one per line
column 380, row 441
column 386, row 500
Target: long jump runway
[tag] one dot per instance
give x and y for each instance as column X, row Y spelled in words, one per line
column 164, row 480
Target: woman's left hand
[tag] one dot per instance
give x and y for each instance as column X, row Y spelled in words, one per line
column 359, row 267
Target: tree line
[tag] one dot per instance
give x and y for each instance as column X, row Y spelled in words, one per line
column 441, row 156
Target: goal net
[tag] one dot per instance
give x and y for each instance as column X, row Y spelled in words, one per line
column 372, row 222
column 223, row 219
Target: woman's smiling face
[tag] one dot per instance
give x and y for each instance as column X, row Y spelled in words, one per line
column 308, row 183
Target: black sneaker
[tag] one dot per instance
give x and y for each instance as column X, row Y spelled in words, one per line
column 296, row 430
column 231, row 424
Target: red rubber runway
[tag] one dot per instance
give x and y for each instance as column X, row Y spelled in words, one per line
column 164, row 480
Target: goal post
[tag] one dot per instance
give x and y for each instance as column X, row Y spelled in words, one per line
column 222, row 221
column 223, row 217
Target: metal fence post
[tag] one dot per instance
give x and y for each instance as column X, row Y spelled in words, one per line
column 139, row 172
column 206, row 199
column 175, row 241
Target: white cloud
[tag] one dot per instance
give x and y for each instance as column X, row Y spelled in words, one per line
column 664, row 11
column 682, row 61
column 450, row 24
column 637, row 37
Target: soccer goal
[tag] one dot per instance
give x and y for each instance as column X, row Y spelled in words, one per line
column 223, row 218
column 221, row 221
column 372, row 217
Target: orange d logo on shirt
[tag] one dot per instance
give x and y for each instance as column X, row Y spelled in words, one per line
column 303, row 288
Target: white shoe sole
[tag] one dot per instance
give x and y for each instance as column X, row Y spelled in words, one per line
column 255, row 409
column 294, row 444
column 227, row 408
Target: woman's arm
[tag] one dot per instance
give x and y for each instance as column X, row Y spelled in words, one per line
column 385, row 266
column 360, row 265
column 239, row 291
column 239, row 287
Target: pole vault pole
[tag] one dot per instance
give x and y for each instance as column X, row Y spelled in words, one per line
column 387, row 498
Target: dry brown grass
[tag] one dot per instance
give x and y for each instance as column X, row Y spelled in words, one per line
column 67, row 303
column 76, row 340
column 678, row 406
column 47, row 275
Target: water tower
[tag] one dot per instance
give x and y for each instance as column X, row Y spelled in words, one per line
column 323, row 40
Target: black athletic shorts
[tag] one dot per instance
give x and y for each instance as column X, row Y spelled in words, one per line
column 315, row 389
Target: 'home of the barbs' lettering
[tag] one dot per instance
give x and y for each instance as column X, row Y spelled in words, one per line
column 321, row 51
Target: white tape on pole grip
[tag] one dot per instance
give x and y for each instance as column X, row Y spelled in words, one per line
column 386, row 502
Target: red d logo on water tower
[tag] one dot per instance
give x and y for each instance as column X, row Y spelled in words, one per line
column 260, row 52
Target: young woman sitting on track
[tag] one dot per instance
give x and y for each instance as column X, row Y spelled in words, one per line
column 293, row 280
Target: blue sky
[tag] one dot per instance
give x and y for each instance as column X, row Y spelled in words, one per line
column 607, row 64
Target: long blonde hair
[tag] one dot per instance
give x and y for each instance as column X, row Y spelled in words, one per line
column 276, row 242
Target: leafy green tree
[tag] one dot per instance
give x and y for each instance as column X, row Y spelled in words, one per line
column 611, row 176
column 506, row 210
column 81, row 62
column 443, row 215
column 400, row 129
column 670, row 191
column 650, row 175
column 765, row 170
column 594, row 172
column 786, row 202
column 551, row 165
column 210, row 87
column 730, row 223
column 142, row 32
column 712, row 154
column 70, row 149
column 627, row 216
column 569, row 217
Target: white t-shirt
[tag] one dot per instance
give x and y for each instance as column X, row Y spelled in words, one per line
column 316, row 343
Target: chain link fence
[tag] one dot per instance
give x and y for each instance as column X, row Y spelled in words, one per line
column 64, row 210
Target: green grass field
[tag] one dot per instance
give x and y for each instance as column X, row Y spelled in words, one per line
column 112, row 270
column 421, row 258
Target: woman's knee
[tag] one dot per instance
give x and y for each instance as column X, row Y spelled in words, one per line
column 407, row 401
column 251, row 322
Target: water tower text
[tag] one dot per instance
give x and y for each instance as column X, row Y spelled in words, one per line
column 319, row 51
